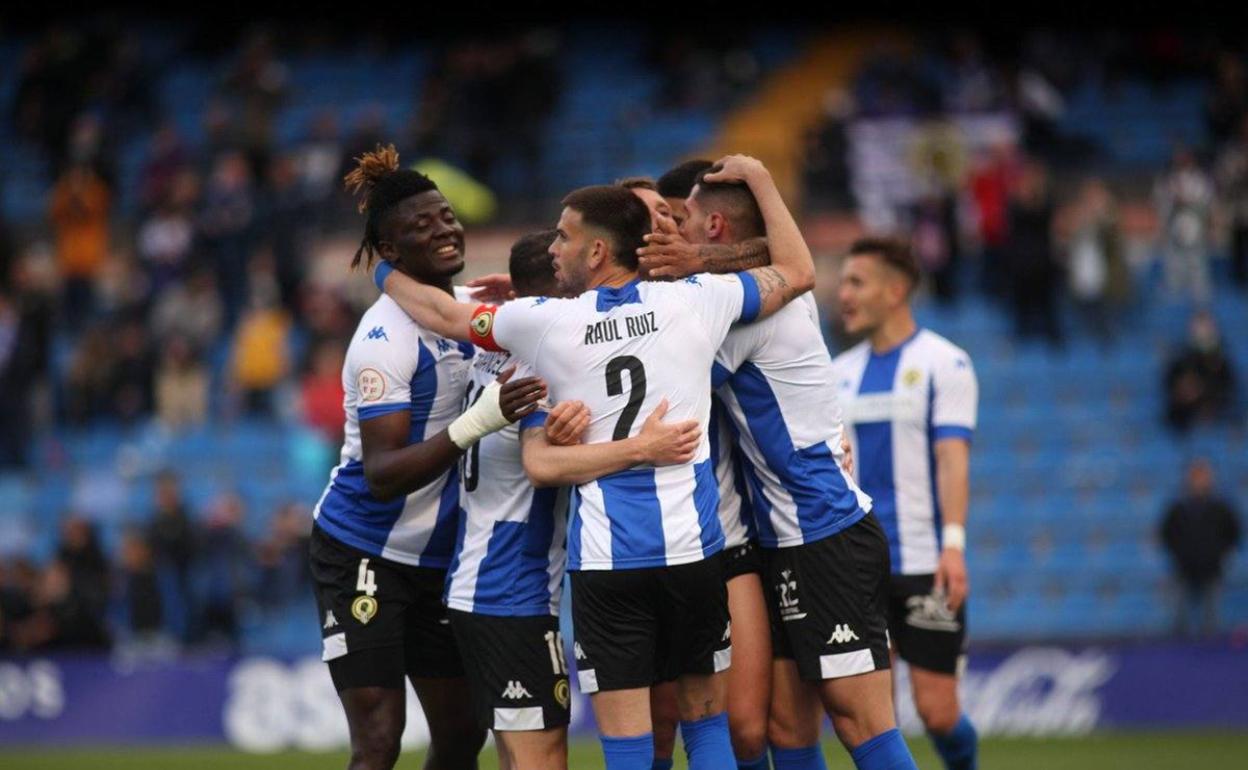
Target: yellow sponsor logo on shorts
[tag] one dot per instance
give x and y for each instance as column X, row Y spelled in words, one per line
column 364, row 608
column 562, row 693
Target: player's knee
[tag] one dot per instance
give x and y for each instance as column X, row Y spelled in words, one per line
column 376, row 747
column 790, row 734
column 749, row 736
column 455, row 744
column 938, row 712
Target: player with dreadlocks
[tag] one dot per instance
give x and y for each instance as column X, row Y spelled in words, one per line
column 386, row 524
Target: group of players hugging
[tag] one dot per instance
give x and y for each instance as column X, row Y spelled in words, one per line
column 644, row 403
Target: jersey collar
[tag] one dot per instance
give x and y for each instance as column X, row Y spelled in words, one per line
column 613, row 296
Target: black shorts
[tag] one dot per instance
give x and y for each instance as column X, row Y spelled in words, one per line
column 926, row 633
column 742, row 560
column 380, row 620
column 826, row 602
column 639, row 627
column 516, row 670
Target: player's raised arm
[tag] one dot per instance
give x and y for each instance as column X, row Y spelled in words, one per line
column 428, row 306
column 792, row 269
column 658, row 443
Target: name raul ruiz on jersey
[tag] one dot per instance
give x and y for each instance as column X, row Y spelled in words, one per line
column 608, row 330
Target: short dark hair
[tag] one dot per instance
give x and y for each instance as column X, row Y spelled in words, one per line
column 734, row 201
column 618, row 212
column 679, row 182
column 531, row 265
column 892, row 251
column 637, row 183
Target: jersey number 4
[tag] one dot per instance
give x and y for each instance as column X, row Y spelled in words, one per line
column 636, row 391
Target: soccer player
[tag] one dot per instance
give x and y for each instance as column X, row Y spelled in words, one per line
column 506, row 578
column 386, row 522
column 910, row 401
column 826, row 558
column 647, row 591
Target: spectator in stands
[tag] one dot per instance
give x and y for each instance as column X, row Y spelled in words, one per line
column 1232, row 177
column 991, row 183
column 139, row 596
column 286, row 216
column 318, row 160
column 23, row 346
column 226, row 227
column 227, row 563
column 18, row 578
column 165, row 237
column 1200, row 378
column 171, row 536
column 283, row 557
column 1184, row 198
column 167, row 160
column 1228, row 99
column 80, row 552
column 130, row 385
column 88, row 376
column 260, row 360
column 181, row 386
column 192, row 310
column 79, row 211
column 1199, row 531
column 1096, row 267
column 61, row 618
column 1035, row 276
column 321, row 391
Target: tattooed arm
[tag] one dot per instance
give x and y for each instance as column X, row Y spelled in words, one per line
column 792, row 269
column 668, row 255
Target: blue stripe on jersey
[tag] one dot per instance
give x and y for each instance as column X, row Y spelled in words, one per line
column 753, row 303
column 931, row 465
column 533, row 420
column 574, row 528
column 825, row 504
column 761, row 506
column 466, row 349
column 441, row 546
column 706, row 501
column 952, row 431
column 875, row 451
column 614, row 296
column 369, row 412
column 719, row 374
column 514, row 577
column 461, row 532
column 631, row 501
column 424, row 389
column 351, row 515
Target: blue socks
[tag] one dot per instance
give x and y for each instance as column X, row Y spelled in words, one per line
column 806, row 758
column 959, row 748
column 758, row 763
column 661, row 764
column 628, row 753
column 708, row 744
column 886, row 751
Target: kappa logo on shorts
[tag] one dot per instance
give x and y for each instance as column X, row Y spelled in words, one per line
column 727, row 632
column 516, row 691
column 789, row 607
column 843, row 634
column 330, row 620
column 364, row 608
column 928, row 611
column 563, row 692
column 577, row 651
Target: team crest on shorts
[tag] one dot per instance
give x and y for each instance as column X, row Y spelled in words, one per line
column 562, row 693
column 364, row 608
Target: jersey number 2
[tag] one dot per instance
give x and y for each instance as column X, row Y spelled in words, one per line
column 636, row 391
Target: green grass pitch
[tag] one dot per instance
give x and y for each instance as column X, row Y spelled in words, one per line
column 1129, row 751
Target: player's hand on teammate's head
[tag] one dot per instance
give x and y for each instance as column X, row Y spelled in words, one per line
column 668, row 255
column 566, row 423
column 492, row 289
column 669, row 443
column 736, row 168
column 519, row 397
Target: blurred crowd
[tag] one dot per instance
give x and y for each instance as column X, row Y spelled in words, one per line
column 180, row 578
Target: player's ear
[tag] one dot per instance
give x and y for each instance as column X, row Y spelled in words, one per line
column 598, row 254
column 715, row 225
column 386, row 250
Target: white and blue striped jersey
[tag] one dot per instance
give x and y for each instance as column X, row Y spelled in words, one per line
column 897, row 405
column 736, row 517
column 773, row 377
column 510, row 552
column 621, row 351
column 393, row 365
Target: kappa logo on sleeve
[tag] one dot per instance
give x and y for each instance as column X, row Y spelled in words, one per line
column 371, row 385
column 377, row 333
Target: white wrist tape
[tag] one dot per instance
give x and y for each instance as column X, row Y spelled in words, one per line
column 482, row 418
column 954, row 536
